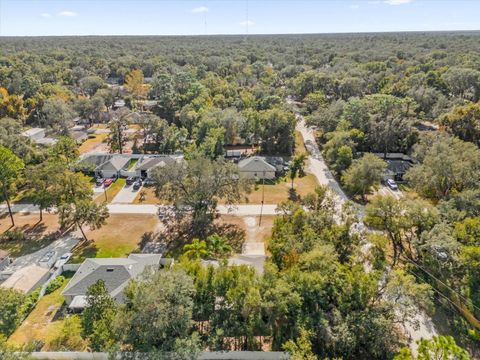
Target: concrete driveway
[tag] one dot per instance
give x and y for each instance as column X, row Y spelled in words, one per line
column 126, row 195
column 61, row 246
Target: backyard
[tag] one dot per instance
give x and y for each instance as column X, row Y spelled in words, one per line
column 93, row 142
column 45, row 322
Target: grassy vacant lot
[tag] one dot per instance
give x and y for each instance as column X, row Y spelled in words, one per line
column 112, row 190
column 92, row 142
column 277, row 192
column 118, row 237
column 36, row 232
column 44, row 322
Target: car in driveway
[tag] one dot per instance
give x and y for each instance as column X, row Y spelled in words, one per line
column 63, row 260
column 48, row 259
column 107, row 182
column 137, row 185
column 392, row 184
column 99, row 181
column 130, row 180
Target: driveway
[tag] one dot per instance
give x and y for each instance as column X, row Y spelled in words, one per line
column 61, row 246
column 126, row 195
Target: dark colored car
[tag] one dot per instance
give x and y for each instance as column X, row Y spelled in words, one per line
column 99, row 181
column 130, row 180
column 137, row 184
column 107, row 182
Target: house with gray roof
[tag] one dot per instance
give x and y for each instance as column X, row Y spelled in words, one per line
column 110, row 165
column 256, row 167
column 115, row 272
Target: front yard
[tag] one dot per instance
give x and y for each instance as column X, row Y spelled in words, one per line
column 111, row 191
column 278, row 191
column 118, row 237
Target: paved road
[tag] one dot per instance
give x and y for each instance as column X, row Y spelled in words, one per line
column 238, row 210
column 424, row 327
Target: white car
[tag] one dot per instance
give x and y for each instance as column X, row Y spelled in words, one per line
column 392, row 184
column 63, row 259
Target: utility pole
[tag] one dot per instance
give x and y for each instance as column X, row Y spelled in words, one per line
column 263, row 199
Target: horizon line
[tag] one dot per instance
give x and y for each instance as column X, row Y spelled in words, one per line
column 246, row 35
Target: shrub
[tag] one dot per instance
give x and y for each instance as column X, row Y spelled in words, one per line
column 55, row 284
column 12, row 235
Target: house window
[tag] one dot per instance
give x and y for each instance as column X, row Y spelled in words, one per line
column 110, row 269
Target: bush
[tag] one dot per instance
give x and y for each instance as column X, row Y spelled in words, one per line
column 92, row 136
column 55, row 284
column 30, row 302
column 12, row 235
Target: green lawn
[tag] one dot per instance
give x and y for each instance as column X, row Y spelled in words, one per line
column 117, row 238
column 133, row 162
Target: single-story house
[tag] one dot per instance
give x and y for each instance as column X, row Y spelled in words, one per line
column 108, row 165
column 113, row 166
column 4, row 259
column 37, row 135
column 27, row 279
column 147, row 164
column 397, row 165
column 115, row 272
column 256, row 167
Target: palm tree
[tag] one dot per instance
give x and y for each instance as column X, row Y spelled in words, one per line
column 218, row 246
column 196, row 250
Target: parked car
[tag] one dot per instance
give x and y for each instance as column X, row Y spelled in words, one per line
column 392, row 184
column 99, row 181
column 130, row 180
column 63, row 259
column 107, row 182
column 137, row 185
column 48, row 259
column 149, row 182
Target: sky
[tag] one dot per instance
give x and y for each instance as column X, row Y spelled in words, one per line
column 197, row 17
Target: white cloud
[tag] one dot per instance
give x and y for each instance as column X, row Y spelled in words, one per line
column 46, row 15
column 247, row 23
column 67, row 13
column 354, row 7
column 397, row 2
column 201, row 9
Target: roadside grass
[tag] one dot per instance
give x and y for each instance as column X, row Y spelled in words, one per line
column 43, row 322
column 91, row 143
column 118, row 237
column 277, row 192
column 299, row 144
column 37, row 234
column 111, row 191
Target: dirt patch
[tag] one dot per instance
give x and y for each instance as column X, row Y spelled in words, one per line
column 37, row 233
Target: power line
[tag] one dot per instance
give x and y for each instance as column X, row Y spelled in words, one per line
column 441, row 282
